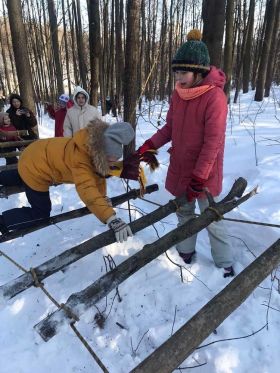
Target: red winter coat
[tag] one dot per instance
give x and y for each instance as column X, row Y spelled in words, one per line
column 196, row 129
column 58, row 116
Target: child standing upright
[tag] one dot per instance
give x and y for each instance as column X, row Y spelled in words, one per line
column 59, row 113
column 196, row 124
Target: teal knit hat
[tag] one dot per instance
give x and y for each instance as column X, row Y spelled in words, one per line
column 192, row 55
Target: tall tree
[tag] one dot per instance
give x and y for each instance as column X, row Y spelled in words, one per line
column 247, row 61
column 269, row 22
column 228, row 53
column 94, row 48
column 80, row 43
column 213, row 15
column 55, row 46
column 131, row 60
column 119, row 57
column 272, row 55
column 20, row 52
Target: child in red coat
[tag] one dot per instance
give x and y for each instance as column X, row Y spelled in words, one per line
column 196, row 124
column 8, row 132
column 59, row 113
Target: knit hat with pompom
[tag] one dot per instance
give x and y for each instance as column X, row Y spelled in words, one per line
column 192, row 55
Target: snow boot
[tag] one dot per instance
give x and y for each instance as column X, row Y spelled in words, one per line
column 187, row 257
column 228, row 272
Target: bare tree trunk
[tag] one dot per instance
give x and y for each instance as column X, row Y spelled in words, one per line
column 66, row 46
column 163, row 70
column 119, row 55
column 55, row 46
column 80, row 42
column 7, row 31
column 20, row 53
column 94, row 48
column 270, row 14
column 272, row 54
column 73, row 46
column 131, row 60
column 213, row 15
column 247, row 61
column 6, row 69
column 228, row 53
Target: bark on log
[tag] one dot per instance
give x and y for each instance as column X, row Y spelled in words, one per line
column 132, row 194
column 6, row 191
column 49, row 326
column 8, row 167
column 177, row 348
column 8, row 144
column 10, row 154
column 23, row 282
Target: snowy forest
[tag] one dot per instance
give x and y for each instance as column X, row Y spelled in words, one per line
column 140, row 213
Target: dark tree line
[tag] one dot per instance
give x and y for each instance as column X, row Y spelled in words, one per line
column 123, row 48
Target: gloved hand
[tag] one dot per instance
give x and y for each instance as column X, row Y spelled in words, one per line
column 148, row 144
column 150, row 158
column 120, row 228
column 195, row 188
column 131, row 167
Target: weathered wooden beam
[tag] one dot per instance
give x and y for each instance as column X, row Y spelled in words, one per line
column 177, row 348
column 10, row 154
column 20, row 143
column 132, row 194
column 4, row 134
column 23, row 282
column 86, row 298
column 8, row 167
column 6, row 191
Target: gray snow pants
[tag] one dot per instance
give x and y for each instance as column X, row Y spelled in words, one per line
column 217, row 232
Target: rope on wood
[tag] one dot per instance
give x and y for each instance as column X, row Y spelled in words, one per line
column 174, row 203
column 69, row 313
column 218, row 215
column 227, row 219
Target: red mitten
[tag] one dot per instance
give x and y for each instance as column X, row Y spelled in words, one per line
column 131, row 167
column 148, row 145
column 195, row 188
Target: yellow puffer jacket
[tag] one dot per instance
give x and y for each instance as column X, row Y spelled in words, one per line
column 80, row 160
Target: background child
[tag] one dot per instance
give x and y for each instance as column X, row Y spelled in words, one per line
column 59, row 113
column 8, row 133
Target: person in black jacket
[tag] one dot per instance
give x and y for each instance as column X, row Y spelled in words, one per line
column 22, row 118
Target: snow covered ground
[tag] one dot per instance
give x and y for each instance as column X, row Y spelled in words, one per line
column 155, row 294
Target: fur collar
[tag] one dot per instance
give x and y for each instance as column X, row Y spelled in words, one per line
column 96, row 147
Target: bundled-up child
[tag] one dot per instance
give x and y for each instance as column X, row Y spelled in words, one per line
column 8, row 132
column 58, row 113
column 196, row 125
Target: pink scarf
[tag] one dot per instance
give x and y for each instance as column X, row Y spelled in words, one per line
column 190, row 93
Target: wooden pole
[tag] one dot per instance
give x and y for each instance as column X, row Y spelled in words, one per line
column 177, row 348
column 42, row 223
column 86, row 298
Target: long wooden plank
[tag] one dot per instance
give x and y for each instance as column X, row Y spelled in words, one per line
column 182, row 344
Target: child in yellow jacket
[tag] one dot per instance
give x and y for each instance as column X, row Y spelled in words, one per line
column 83, row 160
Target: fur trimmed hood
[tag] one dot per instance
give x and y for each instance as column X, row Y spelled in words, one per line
column 96, row 145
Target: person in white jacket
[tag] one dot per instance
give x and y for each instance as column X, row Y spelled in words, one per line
column 79, row 115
